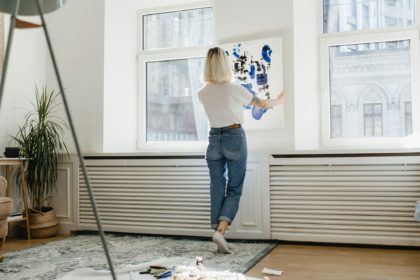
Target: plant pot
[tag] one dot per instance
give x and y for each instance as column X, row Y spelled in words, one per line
column 43, row 225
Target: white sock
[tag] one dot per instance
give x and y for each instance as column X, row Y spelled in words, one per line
column 222, row 245
column 230, row 246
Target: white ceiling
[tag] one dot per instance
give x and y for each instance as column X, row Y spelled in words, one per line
column 147, row 4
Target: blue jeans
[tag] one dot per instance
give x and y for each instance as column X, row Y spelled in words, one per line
column 226, row 159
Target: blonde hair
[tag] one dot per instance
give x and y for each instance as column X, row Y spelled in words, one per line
column 217, row 66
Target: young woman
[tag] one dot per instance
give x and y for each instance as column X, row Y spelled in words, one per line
column 226, row 153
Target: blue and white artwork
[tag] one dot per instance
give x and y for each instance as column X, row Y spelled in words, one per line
column 257, row 66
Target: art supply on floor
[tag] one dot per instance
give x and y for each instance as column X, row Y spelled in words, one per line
column 272, row 271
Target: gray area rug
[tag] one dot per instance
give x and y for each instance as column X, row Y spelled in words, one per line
column 57, row 258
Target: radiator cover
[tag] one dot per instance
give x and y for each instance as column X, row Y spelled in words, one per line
column 161, row 195
column 147, row 196
column 366, row 200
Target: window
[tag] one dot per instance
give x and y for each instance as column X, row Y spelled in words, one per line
column 391, row 3
column 368, row 69
column 352, row 15
column 193, row 27
column 173, row 45
column 366, row 15
column 383, row 13
column 366, row 73
column 373, row 120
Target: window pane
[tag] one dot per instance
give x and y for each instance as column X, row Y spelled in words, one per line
column 378, row 109
column 373, row 82
column 178, row 29
column 368, row 131
column 368, row 109
column 350, row 15
column 173, row 112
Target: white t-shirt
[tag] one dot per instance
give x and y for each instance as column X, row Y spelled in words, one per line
column 223, row 103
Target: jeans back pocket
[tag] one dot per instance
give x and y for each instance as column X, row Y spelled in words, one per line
column 233, row 147
column 213, row 149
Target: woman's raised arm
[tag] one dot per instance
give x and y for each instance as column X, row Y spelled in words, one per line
column 268, row 103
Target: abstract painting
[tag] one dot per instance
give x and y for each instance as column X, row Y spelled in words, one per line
column 257, row 66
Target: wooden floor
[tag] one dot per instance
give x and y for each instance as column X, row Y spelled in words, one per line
column 303, row 262
column 18, row 244
column 310, row 262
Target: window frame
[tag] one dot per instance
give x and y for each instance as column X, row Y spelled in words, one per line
column 331, row 39
column 158, row 55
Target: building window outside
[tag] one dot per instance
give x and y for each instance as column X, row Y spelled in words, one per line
column 352, row 15
column 172, row 75
column 373, row 120
column 353, row 69
column 366, row 18
column 392, row 3
column 336, row 120
column 391, row 21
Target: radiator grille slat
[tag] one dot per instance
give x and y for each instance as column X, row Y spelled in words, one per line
column 348, row 203
column 350, row 236
column 158, row 226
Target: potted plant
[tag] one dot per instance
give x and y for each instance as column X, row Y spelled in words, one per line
column 41, row 142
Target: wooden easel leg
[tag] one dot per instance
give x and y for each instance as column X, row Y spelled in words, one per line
column 7, row 173
column 1, row 247
column 25, row 198
column 3, row 240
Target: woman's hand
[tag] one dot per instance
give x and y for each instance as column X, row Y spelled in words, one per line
column 268, row 103
column 281, row 97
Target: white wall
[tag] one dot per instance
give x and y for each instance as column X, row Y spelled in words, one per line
column 77, row 34
column 307, row 26
column 27, row 68
column 120, row 82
